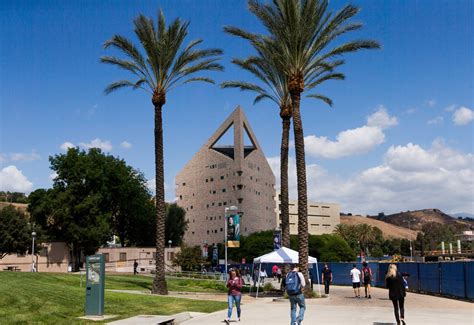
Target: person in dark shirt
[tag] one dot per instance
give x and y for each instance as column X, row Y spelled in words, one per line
column 326, row 278
column 396, row 292
column 135, row 266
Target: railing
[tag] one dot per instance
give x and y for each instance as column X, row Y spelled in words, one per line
column 197, row 275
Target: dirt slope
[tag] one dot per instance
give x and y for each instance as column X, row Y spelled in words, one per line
column 388, row 230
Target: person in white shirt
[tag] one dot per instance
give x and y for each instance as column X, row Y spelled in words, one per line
column 355, row 277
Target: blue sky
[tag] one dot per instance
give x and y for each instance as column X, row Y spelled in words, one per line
column 399, row 137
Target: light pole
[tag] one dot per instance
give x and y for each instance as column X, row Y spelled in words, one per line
column 33, row 269
column 409, row 238
column 230, row 209
column 169, row 243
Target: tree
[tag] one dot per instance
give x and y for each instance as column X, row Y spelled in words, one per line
column 299, row 34
column 166, row 65
column 176, row 223
column 189, row 258
column 93, row 196
column 336, row 249
column 15, row 232
column 274, row 88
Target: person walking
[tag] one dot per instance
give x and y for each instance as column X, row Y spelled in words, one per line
column 295, row 284
column 279, row 274
column 234, row 294
column 135, row 266
column 355, row 277
column 367, row 276
column 396, row 292
column 326, row 278
column 274, row 271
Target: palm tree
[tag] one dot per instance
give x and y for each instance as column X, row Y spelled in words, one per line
column 166, row 65
column 365, row 236
column 301, row 32
column 274, row 88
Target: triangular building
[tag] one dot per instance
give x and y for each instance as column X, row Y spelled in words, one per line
column 229, row 170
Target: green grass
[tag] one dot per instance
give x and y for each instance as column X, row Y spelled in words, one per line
column 41, row 298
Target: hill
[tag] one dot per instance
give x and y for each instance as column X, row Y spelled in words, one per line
column 21, row 206
column 416, row 219
column 388, row 229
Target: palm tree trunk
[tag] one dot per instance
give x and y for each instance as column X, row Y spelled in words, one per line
column 159, row 282
column 302, row 189
column 284, row 209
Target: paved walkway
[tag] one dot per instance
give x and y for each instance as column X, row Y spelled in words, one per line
column 342, row 308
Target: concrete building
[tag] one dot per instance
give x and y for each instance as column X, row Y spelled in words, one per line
column 222, row 175
column 322, row 217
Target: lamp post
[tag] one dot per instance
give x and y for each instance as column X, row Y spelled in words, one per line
column 409, row 238
column 33, row 235
column 169, row 243
column 228, row 210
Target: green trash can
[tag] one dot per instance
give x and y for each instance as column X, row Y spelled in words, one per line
column 95, row 283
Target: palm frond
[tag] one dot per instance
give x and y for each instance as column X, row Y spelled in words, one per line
column 325, row 99
column 209, row 80
column 118, row 85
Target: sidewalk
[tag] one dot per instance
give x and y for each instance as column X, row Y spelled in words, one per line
column 342, row 308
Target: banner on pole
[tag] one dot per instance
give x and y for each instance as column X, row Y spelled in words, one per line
column 233, row 230
column 277, row 239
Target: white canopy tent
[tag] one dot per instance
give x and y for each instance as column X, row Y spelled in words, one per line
column 283, row 255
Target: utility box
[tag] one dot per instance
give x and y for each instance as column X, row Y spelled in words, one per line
column 95, row 283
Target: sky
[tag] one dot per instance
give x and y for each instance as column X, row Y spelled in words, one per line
column 399, row 136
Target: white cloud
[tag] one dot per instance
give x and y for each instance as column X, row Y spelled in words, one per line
column 53, row 176
column 463, row 116
column 381, row 119
column 151, row 184
column 13, row 180
column 451, row 108
column 410, row 111
column 97, row 143
column 126, row 144
column 353, row 141
column 20, row 156
column 348, row 143
column 410, row 177
column 431, row 102
column 66, row 145
column 436, row 120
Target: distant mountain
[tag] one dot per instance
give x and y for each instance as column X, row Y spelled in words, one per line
column 388, row 230
column 416, row 219
column 462, row 214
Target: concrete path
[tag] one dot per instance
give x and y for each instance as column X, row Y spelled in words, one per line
column 342, row 308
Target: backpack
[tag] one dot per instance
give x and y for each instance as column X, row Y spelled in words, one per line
column 293, row 286
column 367, row 275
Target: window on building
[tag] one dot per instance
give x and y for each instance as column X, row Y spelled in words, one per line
column 123, row 257
column 223, row 190
column 207, row 205
column 251, row 177
column 106, row 257
column 225, row 203
column 184, row 184
column 239, row 173
column 240, row 200
column 222, row 230
column 207, row 180
column 212, row 179
column 222, row 177
column 220, row 204
column 192, row 232
column 213, row 192
column 212, row 203
column 208, row 232
column 191, row 207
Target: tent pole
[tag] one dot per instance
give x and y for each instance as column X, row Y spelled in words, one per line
column 251, row 278
column 258, row 282
column 317, row 274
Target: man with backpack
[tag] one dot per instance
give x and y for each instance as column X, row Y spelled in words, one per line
column 295, row 284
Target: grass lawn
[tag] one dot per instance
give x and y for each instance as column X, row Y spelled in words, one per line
column 41, row 298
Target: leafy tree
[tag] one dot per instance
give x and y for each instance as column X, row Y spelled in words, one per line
column 15, row 232
column 377, row 252
column 166, row 65
column 176, row 223
column 299, row 34
column 13, row 197
column 93, row 197
column 189, row 258
column 336, row 249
